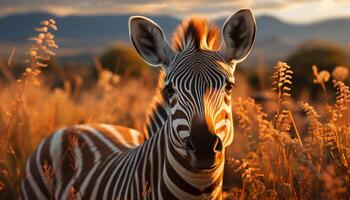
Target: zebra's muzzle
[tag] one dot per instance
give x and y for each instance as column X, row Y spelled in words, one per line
column 204, row 151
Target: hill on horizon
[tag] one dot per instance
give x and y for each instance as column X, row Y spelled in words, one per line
column 82, row 37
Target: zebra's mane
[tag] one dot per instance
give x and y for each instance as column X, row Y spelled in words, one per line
column 198, row 32
column 155, row 109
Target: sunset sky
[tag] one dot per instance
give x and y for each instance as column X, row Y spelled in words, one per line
column 297, row 11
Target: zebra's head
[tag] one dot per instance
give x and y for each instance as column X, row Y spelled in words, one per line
column 199, row 76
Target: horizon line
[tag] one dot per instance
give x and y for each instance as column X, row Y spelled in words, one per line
column 259, row 15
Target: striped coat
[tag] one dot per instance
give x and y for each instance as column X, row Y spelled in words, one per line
column 104, row 151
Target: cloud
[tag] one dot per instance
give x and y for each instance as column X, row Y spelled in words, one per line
column 180, row 7
column 176, row 8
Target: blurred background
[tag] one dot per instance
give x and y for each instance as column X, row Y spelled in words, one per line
column 302, row 33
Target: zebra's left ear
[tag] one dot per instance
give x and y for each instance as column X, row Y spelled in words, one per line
column 239, row 35
column 149, row 41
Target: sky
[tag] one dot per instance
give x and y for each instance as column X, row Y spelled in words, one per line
column 294, row 11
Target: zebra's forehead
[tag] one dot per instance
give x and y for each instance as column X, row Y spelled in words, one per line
column 208, row 66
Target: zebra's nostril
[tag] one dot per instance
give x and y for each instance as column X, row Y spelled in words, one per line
column 204, row 145
column 218, row 145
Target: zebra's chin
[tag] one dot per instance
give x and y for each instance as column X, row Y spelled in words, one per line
column 205, row 162
column 206, row 165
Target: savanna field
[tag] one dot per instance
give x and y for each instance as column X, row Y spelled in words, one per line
column 292, row 122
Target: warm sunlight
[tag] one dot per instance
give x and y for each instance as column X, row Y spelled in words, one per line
column 155, row 99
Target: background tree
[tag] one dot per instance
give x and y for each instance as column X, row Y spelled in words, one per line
column 124, row 61
column 326, row 56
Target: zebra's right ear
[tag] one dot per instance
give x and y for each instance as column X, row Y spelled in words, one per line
column 149, row 41
column 239, row 35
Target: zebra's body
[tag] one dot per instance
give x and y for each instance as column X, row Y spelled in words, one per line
column 107, row 162
column 96, row 145
column 181, row 154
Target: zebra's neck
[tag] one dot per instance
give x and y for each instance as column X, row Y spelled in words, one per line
column 167, row 173
column 171, row 176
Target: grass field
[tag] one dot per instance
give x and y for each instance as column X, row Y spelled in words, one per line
column 283, row 148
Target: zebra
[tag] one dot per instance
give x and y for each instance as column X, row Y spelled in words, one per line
column 181, row 153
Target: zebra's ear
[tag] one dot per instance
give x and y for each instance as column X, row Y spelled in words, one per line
column 149, row 41
column 239, row 35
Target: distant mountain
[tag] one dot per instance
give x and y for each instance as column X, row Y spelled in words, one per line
column 90, row 35
column 18, row 27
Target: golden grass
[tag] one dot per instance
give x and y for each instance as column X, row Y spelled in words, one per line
column 271, row 158
column 279, row 163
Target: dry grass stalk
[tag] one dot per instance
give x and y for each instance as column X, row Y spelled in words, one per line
column 295, row 127
column 73, row 195
column 49, row 178
column 282, row 80
column 6, row 69
column 106, row 79
column 340, row 73
column 315, row 140
column 73, row 145
column 321, row 77
column 146, row 191
column 343, row 97
column 39, row 51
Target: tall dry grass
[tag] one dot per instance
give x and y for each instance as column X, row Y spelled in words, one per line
column 272, row 157
column 279, row 163
column 31, row 109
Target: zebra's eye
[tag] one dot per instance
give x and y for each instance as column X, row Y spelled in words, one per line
column 169, row 90
column 228, row 87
